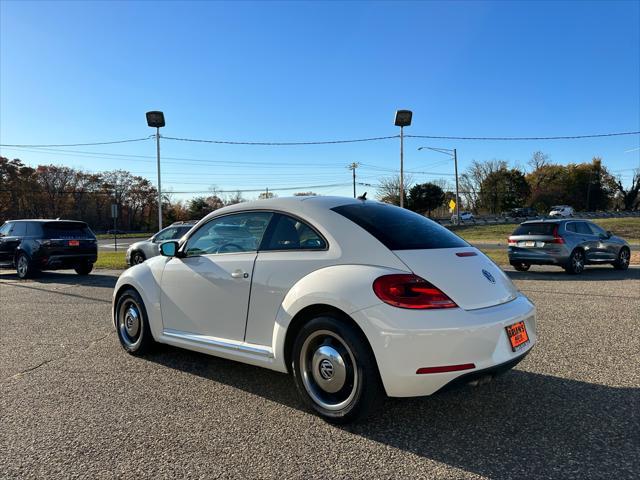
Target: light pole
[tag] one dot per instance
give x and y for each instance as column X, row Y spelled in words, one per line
column 403, row 119
column 155, row 120
column 353, row 167
column 452, row 153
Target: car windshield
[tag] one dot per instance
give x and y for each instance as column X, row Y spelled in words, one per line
column 398, row 228
column 535, row 229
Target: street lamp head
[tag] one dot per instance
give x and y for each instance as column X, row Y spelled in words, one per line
column 155, row 119
column 403, row 118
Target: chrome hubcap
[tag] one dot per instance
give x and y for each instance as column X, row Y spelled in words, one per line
column 328, row 370
column 578, row 262
column 130, row 323
column 137, row 259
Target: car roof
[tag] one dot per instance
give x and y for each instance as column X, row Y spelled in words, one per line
column 555, row 220
column 45, row 220
column 291, row 204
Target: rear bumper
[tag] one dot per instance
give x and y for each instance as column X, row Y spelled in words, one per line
column 537, row 256
column 404, row 341
column 56, row 262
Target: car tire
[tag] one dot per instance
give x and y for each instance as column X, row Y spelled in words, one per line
column 24, row 267
column 84, row 268
column 132, row 323
column 576, row 263
column 521, row 266
column 335, row 371
column 624, row 258
column 137, row 258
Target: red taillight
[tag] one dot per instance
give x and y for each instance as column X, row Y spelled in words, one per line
column 556, row 238
column 410, row 291
column 511, row 241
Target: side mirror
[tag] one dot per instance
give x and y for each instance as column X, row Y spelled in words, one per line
column 609, row 234
column 169, row 249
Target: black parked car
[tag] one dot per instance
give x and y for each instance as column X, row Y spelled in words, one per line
column 523, row 212
column 33, row 245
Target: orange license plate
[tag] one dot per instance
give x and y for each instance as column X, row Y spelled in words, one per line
column 518, row 336
column 74, row 243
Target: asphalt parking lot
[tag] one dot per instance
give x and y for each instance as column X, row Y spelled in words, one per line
column 74, row 405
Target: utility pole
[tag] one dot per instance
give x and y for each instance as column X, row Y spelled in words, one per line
column 353, row 167
column 159, row 185
column 455, row 162
column 401, row 167
column 267, row 193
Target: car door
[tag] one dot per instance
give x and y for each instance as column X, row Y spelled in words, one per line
column 205, row 291
column 606, row 249
column 291, row 250
column 588, row 241
column 6, row 244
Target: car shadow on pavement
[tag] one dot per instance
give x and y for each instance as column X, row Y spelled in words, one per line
column 523, row 424
column 62, row 277
column 590, row 274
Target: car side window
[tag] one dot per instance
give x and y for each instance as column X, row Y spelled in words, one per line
column 5, row 229
column 240, row 232
column 19, row 229
column 583, row 228
column 571, row 227
column 166, row 234
column 595, row 229
column 289, row 233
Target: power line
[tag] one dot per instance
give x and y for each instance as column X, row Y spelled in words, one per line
column 561, row 137
column 113, row 142
column 282, row 144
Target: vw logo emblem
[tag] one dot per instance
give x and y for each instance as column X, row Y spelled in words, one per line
column 488, row 276
column 326, row 369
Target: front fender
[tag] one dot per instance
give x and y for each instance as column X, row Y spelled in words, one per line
column 145, row 278
column 345, row 287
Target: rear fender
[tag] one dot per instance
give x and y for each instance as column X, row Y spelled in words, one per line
column 348, row 288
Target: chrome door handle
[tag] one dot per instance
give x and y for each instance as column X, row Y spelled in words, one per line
column 240, row 274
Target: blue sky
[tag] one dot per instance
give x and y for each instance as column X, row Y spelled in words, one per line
column 294, row 71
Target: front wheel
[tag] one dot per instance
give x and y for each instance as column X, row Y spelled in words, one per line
column 335, row 371
column 521, row 266
column 623, row 260
column 132, row 323
column 576, row 263
column 137, row 258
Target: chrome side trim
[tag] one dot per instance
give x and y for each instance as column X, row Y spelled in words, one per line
column 219, row 343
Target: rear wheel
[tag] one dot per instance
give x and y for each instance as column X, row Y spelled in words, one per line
column 24, row 268
column 576, row 263
column 84, row 268
column 335, row 371
column 624, row 258
column 132, row 324
column 521, row 266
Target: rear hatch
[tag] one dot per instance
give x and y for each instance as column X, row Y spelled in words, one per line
column 536, row 236
column 465, row 275
column 68, row 238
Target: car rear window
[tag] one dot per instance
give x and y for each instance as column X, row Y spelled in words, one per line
column 67, row 230
column 398, row 228
column 535, row 229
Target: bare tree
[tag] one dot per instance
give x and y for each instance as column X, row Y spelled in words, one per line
column 471, row 180
column 631, row 196
column 538, row 160
column 389, row 189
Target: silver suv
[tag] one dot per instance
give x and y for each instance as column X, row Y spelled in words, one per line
column 570, row 244
column 140, row 251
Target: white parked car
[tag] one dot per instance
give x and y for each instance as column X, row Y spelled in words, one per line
column 561, row 211
column 354, row 298
column 464, row 216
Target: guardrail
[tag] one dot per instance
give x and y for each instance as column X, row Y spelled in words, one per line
column 498, row 219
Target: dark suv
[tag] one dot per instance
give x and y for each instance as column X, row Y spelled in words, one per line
column 33, row 245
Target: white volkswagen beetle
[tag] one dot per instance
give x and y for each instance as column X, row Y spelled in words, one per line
column 355, row 298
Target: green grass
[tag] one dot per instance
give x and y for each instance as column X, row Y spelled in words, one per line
column 498, row 256
column 627, row 228
column 111, row 260
column 106, row 236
